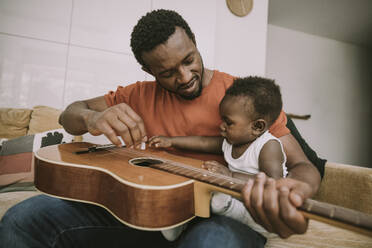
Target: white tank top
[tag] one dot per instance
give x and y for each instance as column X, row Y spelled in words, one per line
column 248, row 161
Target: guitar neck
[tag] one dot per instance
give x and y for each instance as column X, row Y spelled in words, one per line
column 331, row 214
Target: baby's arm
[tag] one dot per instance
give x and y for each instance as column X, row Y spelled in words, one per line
column 214, row 166
column 271, row 159
column 210, row 144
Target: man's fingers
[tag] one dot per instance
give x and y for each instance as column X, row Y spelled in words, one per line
column 292, row 217
column 257, row 201
column 119, row 120
column 121, row 130
column 132, row 128
column 247, row 191
column 270, row 201
column 298, row 195
column 299, row 191
column 110, row 133
column 271, row 204
column 137, row 125
column 272, row 209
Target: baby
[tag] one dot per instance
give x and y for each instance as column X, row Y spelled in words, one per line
column 249, row 107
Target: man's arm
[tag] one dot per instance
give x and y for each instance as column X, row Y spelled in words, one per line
column 299, row 166
column 75, row 116
column 95, row 117
column 309, row 152
column 273, row 203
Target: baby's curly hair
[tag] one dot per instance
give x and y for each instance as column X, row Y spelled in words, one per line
column 263, row 93
column 155, row 28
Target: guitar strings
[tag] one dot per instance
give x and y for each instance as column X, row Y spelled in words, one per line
column 133, row 152
column 173, row 163
column 188, row 167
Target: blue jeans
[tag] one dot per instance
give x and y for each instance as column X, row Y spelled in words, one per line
column 44, row 221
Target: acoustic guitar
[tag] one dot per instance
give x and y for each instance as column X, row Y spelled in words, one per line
column 152, row 189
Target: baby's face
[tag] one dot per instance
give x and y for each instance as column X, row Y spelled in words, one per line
column 237, row 121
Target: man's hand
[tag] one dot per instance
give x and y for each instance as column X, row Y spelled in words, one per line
column 273, row 204
column 215, row 167
column 119, row 120
column 160, row 142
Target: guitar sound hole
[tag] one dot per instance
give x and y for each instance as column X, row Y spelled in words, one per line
column 144, row 161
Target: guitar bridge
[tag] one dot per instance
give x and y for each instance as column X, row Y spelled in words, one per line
column 96, row 148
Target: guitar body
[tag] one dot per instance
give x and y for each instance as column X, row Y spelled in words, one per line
column 139, row 196
column 152, row 189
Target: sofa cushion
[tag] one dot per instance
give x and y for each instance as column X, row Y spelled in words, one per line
column 322, row 235
column 16, row 158
column 14, row 122
column 44, row 118
column 348, row 186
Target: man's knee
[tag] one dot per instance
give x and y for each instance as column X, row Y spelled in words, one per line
column 15, row 216
column 221, row 231
column 25, row 215
column 12, row 224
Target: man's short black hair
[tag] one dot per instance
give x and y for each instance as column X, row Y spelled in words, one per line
column 263, row 93
column 155, row 28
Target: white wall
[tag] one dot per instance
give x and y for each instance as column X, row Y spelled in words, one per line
column 330, row 80
column 54, row 52
column 240, row 43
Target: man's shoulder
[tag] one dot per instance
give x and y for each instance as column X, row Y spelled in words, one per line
column 143, row 84
column 223, row 77
column 139, row 86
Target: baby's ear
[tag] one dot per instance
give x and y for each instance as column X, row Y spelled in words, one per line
column 259, row 126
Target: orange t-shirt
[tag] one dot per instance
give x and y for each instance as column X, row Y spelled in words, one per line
column 165, row 113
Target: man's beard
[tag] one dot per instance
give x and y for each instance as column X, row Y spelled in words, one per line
column 195, row 94
column 200, row 89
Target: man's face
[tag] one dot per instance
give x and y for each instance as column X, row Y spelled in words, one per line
column 177, row 65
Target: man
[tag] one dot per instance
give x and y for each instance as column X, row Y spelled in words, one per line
column 183, row 101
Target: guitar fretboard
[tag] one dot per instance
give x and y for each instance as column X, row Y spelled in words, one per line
column 345, row 215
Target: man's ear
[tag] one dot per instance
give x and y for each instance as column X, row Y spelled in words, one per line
column 147, row 70
column 259, row 126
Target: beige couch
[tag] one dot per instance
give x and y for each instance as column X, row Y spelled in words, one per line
column 17, row 123
column 344, row 185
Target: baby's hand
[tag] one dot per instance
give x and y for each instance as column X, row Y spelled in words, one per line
column 215, row 167
column 160, row 141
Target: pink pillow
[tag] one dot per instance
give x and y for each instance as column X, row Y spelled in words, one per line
column 16, row 158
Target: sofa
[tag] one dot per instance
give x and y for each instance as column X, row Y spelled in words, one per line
column 22, row 132
column 344, row 185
